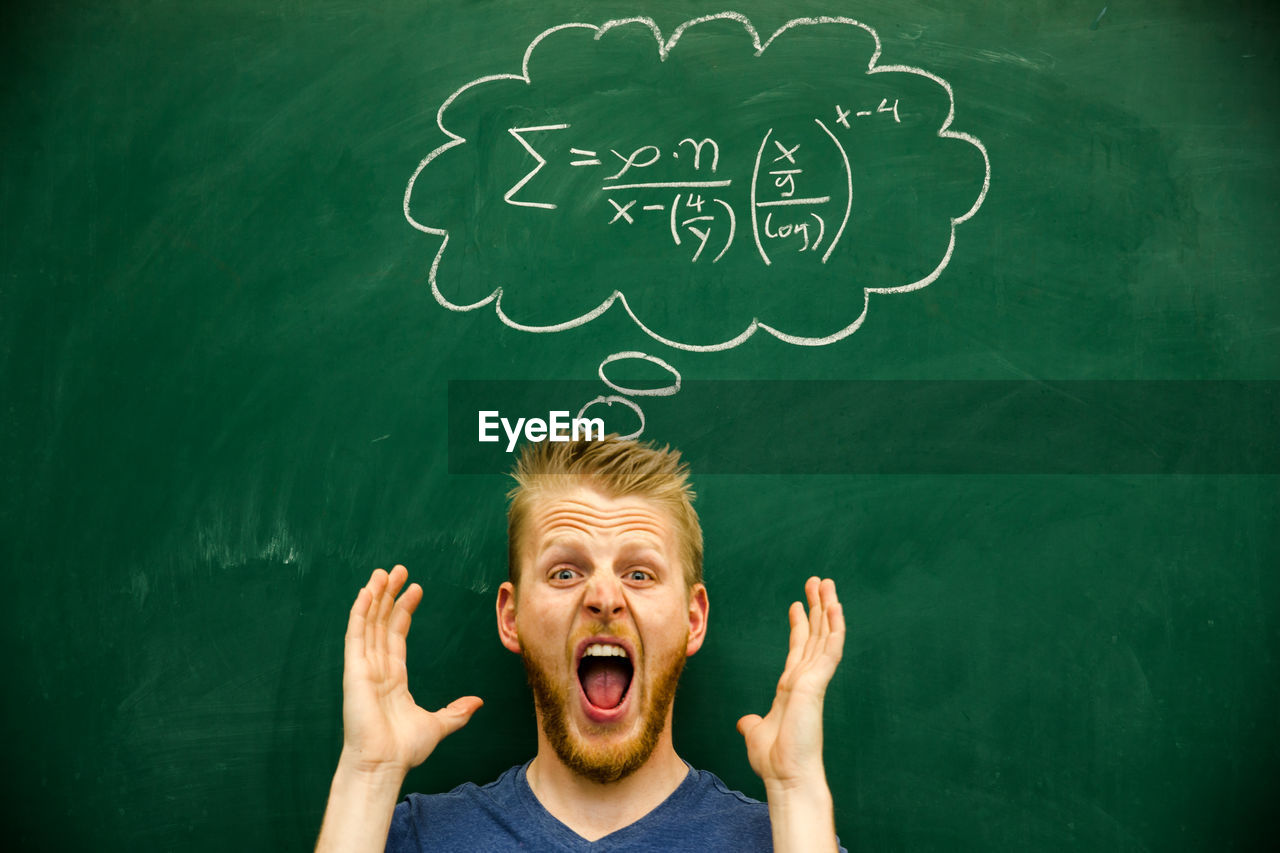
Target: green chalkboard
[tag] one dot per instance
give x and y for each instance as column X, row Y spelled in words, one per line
column 970, row 306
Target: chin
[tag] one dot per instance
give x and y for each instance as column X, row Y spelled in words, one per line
column 590, row 740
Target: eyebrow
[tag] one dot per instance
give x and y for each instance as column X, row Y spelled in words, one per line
column 642, row 551
column 559, row 547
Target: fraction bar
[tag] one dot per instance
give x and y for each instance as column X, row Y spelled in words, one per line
column 659, row 184
column 782, row 201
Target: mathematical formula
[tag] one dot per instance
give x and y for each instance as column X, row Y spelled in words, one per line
column 785, row 210
column 622, row 171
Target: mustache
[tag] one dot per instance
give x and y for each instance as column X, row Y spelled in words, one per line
column 604, row 629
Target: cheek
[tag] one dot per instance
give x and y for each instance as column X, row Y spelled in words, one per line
column 540, row 629
column 667, row 635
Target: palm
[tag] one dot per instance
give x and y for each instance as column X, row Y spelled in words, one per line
column 785, row 746
column 382, row 724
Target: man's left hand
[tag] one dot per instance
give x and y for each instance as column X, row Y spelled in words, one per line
column 785, row 746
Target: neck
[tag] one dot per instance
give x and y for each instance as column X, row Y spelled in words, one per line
column 595, row 809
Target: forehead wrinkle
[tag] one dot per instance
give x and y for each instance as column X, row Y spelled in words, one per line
column 571, row 506
column 566, row 531
column 574, row 521
column 570, row 530
column 621, row 521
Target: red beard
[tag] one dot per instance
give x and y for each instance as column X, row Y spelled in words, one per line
column 603, row 763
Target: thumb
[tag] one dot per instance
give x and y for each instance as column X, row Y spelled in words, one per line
column 747, row 723
column 458, row 713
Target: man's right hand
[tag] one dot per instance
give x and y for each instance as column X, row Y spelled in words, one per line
column 383, row 728
column 384, row 732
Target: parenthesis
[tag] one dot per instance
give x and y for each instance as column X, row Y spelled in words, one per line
column 733, row 220
column 755, row 218
column 822, row 229
column 848, row 173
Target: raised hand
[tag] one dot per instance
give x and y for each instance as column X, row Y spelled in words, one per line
column 384, row 729
column 785, row 746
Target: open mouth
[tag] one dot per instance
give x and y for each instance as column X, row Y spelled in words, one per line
column 605, row 672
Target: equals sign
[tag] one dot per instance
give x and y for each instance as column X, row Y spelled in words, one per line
column 581, row 153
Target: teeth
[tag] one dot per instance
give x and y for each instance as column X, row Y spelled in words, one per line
column 600, row 650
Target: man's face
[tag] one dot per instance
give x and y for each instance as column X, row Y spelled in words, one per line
column 604, row 622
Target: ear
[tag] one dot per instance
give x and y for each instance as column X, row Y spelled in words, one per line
column 506, row 607
column 699, row 611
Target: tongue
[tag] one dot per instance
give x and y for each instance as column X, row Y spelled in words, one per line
column 605, row 681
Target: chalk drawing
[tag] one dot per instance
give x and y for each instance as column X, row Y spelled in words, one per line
column 787, row 211
column 609, row 400
column 665, row 391
column 798, row 187
column 517, row 133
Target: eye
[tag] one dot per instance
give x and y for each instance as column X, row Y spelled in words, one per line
column 638, row 575
column 563, row 574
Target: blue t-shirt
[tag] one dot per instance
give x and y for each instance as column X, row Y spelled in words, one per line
column 701, row 815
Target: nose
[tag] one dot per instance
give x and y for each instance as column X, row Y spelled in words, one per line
column 604, row 597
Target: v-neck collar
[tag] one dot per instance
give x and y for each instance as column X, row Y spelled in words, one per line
column 568, row 840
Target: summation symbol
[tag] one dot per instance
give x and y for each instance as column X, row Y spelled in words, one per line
column 518, row 133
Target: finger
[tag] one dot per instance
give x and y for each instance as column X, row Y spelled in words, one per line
column 832, row 611
column 835, row 640
column 827, row 598
column 814, row 620
column 747, row 723
column 829, row 648
column 799, row 640
column 835, row 617
column 394, row 581
column 356, row 623
column 813, row 588
column 353, row 642
column 401, row 617
column 458, row 713
column 825, row 646
column 377, row 583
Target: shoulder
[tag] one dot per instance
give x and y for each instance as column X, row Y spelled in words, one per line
column 706, row 814
column 712, row 790
column 456, row 819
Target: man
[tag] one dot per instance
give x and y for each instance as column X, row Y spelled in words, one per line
column 604, row 602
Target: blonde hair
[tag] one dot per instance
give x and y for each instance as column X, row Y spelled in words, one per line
column 615, row 467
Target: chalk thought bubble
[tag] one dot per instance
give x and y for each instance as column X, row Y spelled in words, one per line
column 710, row 183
